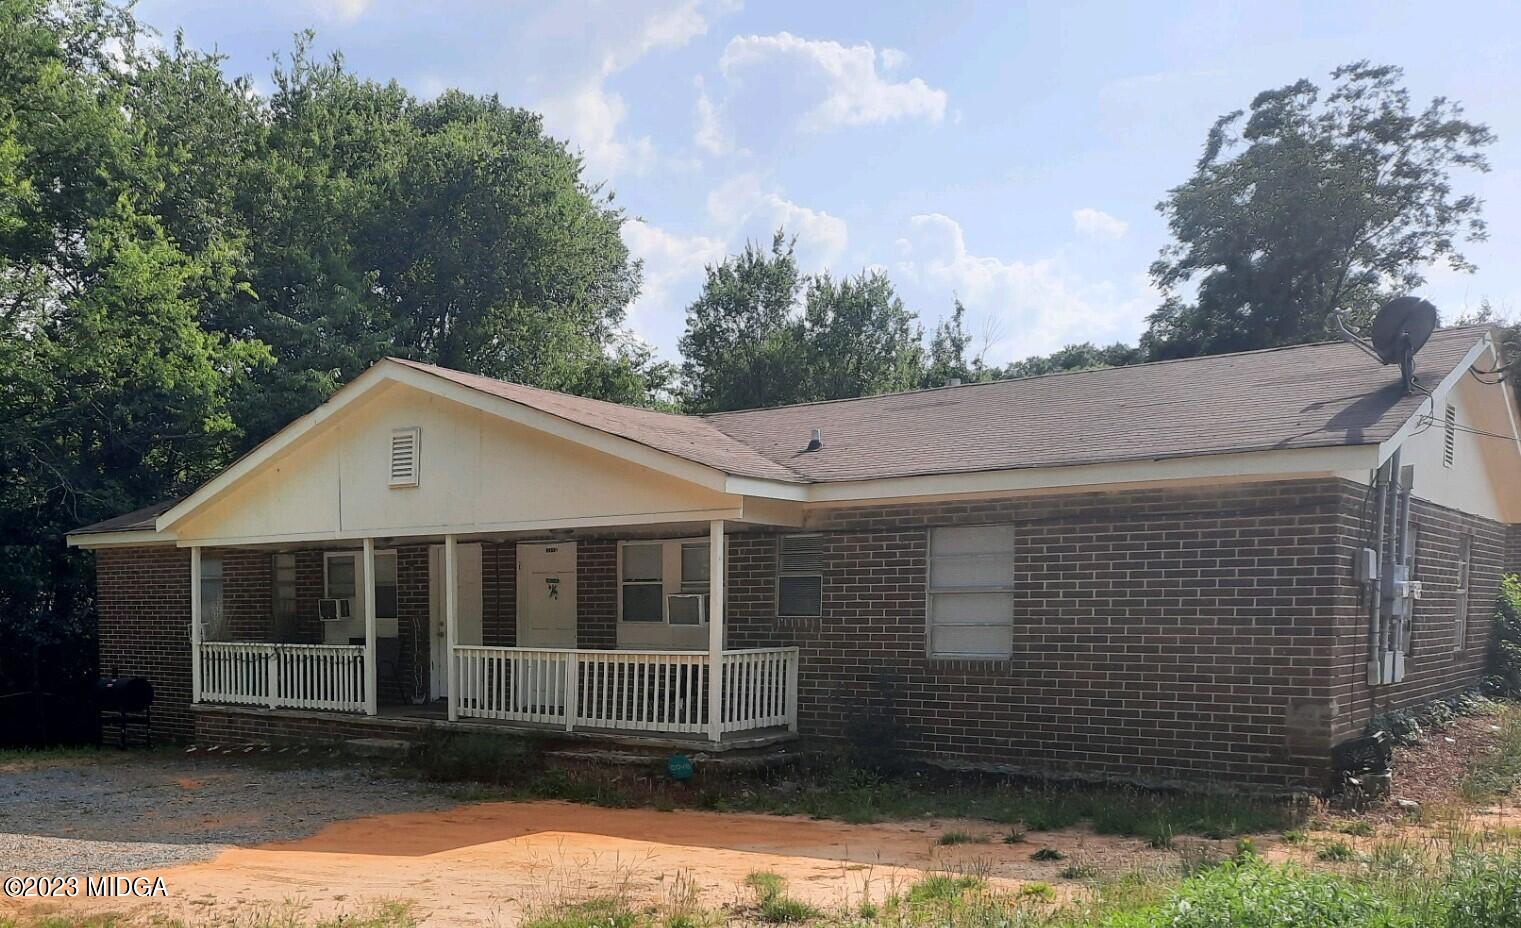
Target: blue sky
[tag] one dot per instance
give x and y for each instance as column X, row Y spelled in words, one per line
column 1012, row 154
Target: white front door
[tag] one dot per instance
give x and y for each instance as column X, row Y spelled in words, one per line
column 547, row 595
column 470, row 611
column 546, row 617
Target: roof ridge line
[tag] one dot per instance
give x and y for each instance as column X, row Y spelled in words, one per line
column 1067, row 373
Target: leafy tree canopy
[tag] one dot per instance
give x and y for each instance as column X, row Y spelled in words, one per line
column 1309, row 204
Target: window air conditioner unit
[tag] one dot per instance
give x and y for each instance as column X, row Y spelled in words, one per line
column 334, row 610
column 686, row 608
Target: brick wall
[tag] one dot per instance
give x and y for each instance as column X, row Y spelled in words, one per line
column 1159, row 635
column 1435, row 667
column 143, row 597
column 597, row 593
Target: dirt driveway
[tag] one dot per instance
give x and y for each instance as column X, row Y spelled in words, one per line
column 273, row 839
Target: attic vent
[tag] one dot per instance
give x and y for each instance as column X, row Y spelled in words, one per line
column 406, row 450
column 1449, row 435
column 801, row 553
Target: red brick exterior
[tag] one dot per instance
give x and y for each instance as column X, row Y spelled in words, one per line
column 1160, row 635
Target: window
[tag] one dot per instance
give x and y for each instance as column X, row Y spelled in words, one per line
column 341, row 580
column 1449, row 435
column 643, row 584
column 694, row 580
column 800, row 576
column 283, row 576
column 971, row 591
column 1460, row 597
column 213, row 614
column 406, row 456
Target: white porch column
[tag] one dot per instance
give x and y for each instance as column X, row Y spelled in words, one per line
column 195, row 625
column 451, row 623
column 371, row 671
column 716, row 561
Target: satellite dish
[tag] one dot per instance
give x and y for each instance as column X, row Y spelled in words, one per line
column 1400, row 329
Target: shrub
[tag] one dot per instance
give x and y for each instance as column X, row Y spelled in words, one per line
column 1048, row 853
column 1505, row 650
column 1335, row 852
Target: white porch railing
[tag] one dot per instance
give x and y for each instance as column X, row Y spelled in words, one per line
column 647, row 691
column 288, row 676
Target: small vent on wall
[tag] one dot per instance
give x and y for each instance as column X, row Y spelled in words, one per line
column 406, row 456
column 1449, row 436
column 802, row 553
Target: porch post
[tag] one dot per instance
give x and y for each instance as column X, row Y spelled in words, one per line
column 451, row 624
column 195, row 625
column 716, row 561
column 371, row 671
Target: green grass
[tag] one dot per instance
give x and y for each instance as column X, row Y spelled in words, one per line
column 1335, row 852
column 773, row 905
column 853, row 796
column 1497, row 773
column 605, row 912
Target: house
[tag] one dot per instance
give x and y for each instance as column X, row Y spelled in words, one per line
column 1162, row 573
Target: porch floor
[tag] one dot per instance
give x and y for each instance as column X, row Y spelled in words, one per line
column 434, row 717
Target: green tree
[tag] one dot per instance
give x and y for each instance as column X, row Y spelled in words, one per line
column 1081, row 357
column 947, row 357
column 1308, row 207
column 743, row 345
column 858, row 338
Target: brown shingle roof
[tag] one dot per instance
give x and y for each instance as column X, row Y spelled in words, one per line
column 1306, row 396
column 138, row 520
column 687, row 437
column 1299, row 397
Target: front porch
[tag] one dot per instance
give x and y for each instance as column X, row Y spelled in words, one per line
column 414, row 648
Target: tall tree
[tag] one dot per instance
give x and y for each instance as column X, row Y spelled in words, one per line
column 1309, row 206
column 947, row 358
column 743, row 342
column 1082, row 357
column 115, row 394
column 858, row 338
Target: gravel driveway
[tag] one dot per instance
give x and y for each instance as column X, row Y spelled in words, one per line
column 116, row 813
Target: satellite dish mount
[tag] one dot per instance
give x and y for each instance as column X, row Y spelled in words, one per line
column 1401, row 328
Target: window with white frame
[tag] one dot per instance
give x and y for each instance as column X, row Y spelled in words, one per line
column 971, row 592
column 800, row 576
column 664, row 581
column 695, row 573
column 341, row 581
column 1460, row 597
column 642, row 597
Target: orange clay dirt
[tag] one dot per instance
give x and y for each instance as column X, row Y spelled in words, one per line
column 490, row 863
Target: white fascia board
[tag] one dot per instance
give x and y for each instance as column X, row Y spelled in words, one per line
column 139, row 538
column 467, row 529
column 1438, row 395
column 1335, row 460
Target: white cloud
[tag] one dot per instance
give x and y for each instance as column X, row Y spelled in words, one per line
column 1095, row 223
column 893, row 59
column 1032, row 307
column 673, row 268
column 345, row 11
column 745, row 205
column 856, row 93
column 591, row 116
column 712, row 135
